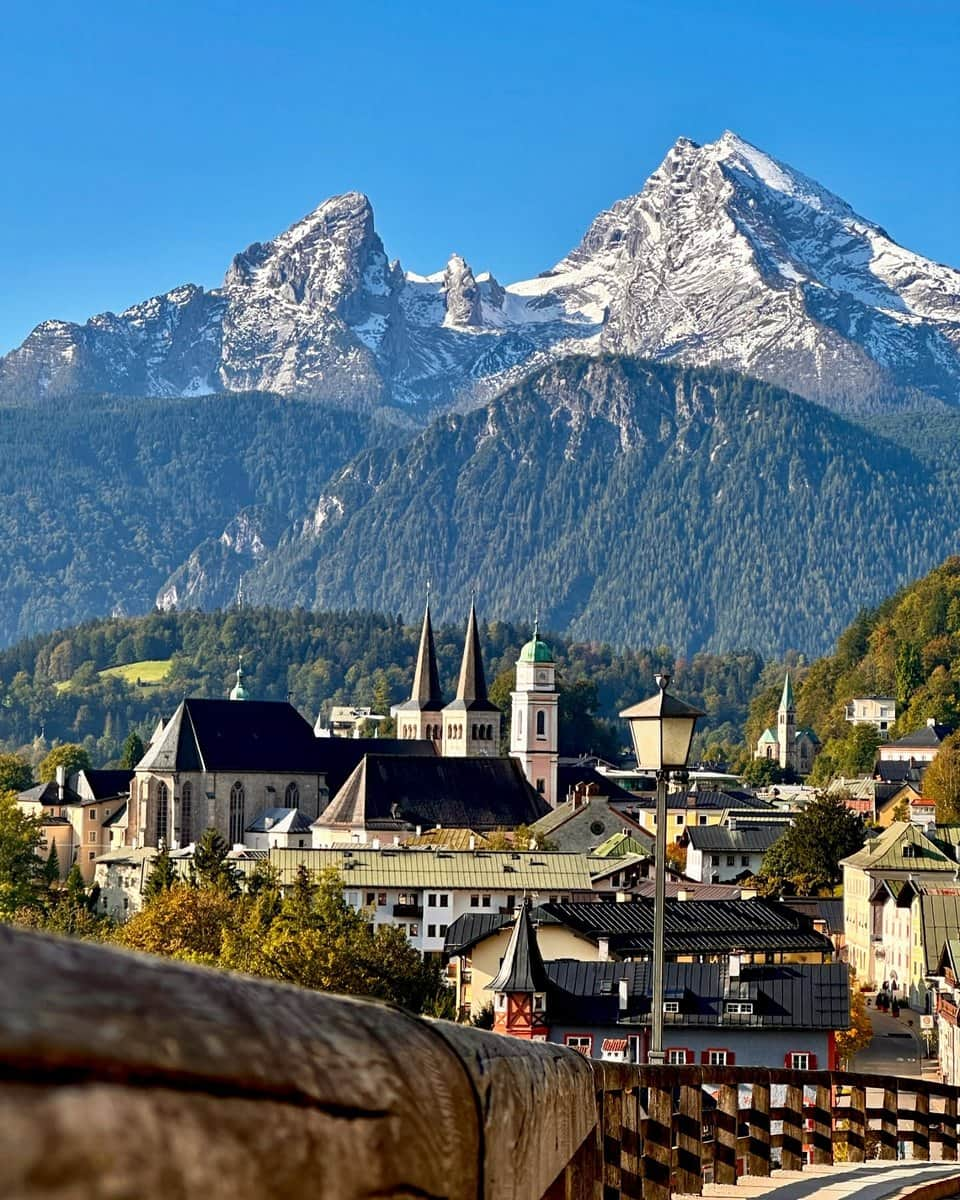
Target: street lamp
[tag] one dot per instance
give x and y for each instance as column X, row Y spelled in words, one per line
column 662, row 730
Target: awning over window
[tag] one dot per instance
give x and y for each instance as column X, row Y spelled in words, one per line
column 614, row 1045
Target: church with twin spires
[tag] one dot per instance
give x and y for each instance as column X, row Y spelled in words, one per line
column 469, row 725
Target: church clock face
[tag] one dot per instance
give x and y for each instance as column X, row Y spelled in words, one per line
column 541, row 677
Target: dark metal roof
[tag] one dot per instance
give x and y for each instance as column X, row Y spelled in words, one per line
column 927, row 737
column 106, row 784
column 755, row 839
column 709, row 798
column 476, row 793
column 791, row 996
column 425, row 695
column 522, row 969
column 830, row 912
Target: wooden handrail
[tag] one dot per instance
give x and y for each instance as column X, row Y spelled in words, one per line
column 123, row 1075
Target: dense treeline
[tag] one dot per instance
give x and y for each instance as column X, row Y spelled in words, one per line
column 52, row 689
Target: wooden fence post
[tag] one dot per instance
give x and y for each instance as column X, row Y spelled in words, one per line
column 689, row 1180
column 948, row 1130
column 857, row 1125
column 758, row 1152
column 921, row 1124
column 658, row 1142
column 726, row 1127
column 791, row 1144
column 888, row 1123
column 822, row 1125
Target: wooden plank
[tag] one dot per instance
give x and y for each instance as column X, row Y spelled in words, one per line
column 948, row 1129
column 689, row 1174
column 726, row 1124
column 822, row 1135
column 611, row 1103
column 791, row 1144
column 888, row 1122
column 856, row 1116
column 758, row 1145
column 921, row 1126
column 657, row 1135
column 631, row 1182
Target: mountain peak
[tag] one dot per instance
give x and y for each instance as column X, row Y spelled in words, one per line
column 461, row 295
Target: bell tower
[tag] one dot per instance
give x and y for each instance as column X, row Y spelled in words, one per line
column 534, row 733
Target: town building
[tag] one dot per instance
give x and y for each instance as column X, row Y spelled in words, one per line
column 878, row 711
column 900, row 853
column 590, row 817
column 918, row 748
column 725, row 853
column 698, row 807
column 719, row 1014
column 701, row 930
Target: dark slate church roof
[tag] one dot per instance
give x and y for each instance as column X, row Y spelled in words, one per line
column 522, row 969
column 386, row 792
column 259, row 735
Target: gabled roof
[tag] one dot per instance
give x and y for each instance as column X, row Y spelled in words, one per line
column 926, row 737
column 105, row 785
column 769, row 735
column 259, row 735
column 450, row 839
column 570, row 775
column 118, row 817
column 279, row 820
column 522, row 969
column 588, row 823
column 386, row 792
column 902, row 846
column 622, row 845
column 830, row 912
column 709, row 799
column 939, row 921
column 751, row 839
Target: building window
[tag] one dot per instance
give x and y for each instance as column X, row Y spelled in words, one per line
column 715, row 860
column 581, row 1042
column 93, row 836
column 541, row 786
column 186, row 814
column 92, row 813
column 371, row 899
column 92, row 855
column 671, row 1006
column 485, row 901
column 744, row 860
column 291, row 797
column 702, row 819
column 443, row 900
column 511, row 902
column 739, row 1007
column 443, row 931
column 799, row 1061
column 718, row 1058
column 677, row 1056
column 414, row 930
column 237, row 806
column 731, row 860
column 381, row 898
column 475, row 901
column 520, row 722
column 500, row 1001
column 163, row 813
column 431, row 931
column 539, row 1002
column 541, row 724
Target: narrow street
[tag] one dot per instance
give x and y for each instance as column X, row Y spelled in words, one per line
column 897, row 1047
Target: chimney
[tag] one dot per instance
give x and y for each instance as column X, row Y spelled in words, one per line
column 931, row 721
column 472, row 844
column 268, row 822
column 682, row 895
column 375, row 844
column 419, row 830
column 396, row 839
column 603, row 949
column 734, row 965
column 624, row 995
column 61, row 782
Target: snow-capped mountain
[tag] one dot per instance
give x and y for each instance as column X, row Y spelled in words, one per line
column 726, row 257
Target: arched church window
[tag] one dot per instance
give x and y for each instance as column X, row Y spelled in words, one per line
column 163, row 813
column 237, row 805
column 489, row 733
column 186, row 814
column 291, row 797
column 473, row 732
column 541, row 723
column 520, row 721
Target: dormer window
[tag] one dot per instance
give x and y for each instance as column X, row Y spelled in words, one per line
column 743, row 1008
column 539, row 1002
column 671, row 1006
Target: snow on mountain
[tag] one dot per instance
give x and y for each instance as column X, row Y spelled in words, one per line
column 726, row 258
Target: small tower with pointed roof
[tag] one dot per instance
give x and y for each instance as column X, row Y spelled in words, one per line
column 422, row 715
column 534, row 727
column 471, row 724
column 238, row 691
column 787, row 727
column 520, row 988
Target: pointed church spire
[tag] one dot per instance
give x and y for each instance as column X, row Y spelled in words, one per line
column 522, row 969
column 786, row 701
column 426, row 677
column 472, row 685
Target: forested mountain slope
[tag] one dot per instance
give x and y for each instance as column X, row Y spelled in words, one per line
column 632, row 502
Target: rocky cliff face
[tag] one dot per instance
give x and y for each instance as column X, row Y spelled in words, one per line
column 725, row 258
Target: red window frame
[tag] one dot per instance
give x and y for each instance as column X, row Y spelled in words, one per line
column 678, row 1050
column 807, row 1054
column 729, row 1060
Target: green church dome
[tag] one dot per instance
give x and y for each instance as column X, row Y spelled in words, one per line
column 536, row 651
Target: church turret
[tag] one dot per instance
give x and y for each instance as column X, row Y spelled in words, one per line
column 421, row 715
column 520, row 988
column 534, row 729
column 238, row 691
column 471, row 724
column 787, row 727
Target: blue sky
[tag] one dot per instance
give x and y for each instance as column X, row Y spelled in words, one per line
column 144, row 144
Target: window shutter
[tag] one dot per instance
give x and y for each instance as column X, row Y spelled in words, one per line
column 788, row 1059
column 812, row 1059
column 705, row 1058
column 691, row 1057
column 731, row 1058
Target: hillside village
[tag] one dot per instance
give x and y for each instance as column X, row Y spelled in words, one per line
column 529, row 877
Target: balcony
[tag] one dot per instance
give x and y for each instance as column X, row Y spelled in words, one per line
column 180, row 1057
column 408, row 910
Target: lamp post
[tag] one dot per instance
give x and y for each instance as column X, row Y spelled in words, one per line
column 662, row 730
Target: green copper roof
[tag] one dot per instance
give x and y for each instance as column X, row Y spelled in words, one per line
column 536, row 651
column 768, row 735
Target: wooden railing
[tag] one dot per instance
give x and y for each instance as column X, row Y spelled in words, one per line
column 128, row 1076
